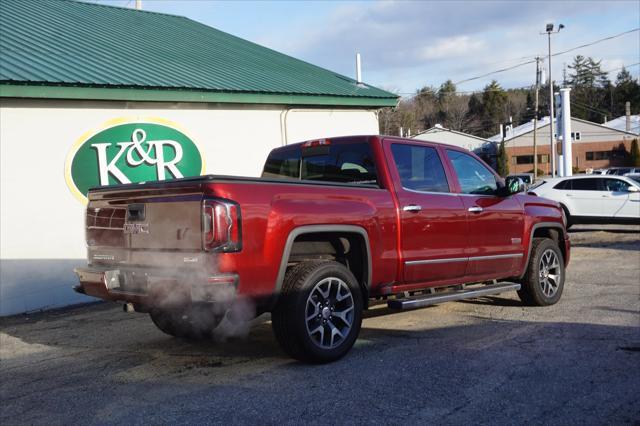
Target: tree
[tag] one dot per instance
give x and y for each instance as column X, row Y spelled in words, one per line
column 452, row 108
column 446, row 89
column 635, row 153
column 494, row 100
column 626, row 90
column 591, row 89
column 503, row 161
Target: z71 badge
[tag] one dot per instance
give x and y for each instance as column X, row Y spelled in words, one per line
column 136, row 228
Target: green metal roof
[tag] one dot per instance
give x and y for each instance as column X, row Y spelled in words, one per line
column 83, row 51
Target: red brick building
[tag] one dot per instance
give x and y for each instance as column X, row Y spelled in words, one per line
column 594, row 146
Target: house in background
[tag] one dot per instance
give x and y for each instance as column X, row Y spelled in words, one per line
column 594, row 146
column 620, row 123
column 482, row 147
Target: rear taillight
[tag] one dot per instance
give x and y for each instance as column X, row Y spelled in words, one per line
column 221, row 226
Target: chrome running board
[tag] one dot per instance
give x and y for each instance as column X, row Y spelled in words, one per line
column 448, row 296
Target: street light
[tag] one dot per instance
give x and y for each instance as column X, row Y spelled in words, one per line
column 549, row 30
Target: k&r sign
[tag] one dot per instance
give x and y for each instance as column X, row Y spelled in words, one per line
column 130, row 152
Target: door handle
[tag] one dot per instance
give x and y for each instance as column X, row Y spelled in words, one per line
column 414, row 208
column 475, row 209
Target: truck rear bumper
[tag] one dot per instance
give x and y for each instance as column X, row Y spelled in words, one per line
column 155, row 288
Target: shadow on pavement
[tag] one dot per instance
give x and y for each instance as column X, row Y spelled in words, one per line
column 574, row 230
column 620, row 245
column 104, row 366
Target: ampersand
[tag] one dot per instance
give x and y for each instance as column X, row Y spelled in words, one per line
column 138, row 137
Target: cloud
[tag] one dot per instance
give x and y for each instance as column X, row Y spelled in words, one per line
column 450, row 48
column 410, row 44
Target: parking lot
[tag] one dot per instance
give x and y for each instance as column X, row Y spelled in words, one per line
column 487, row 360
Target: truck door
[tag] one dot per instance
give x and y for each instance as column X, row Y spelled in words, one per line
column 495, row 223
column 433, row 219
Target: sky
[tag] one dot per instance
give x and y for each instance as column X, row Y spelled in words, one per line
column 407, row 45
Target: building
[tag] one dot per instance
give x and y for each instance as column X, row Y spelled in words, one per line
column 620, row 123
column 594, row 146
column 453, row 137
column 93, row 94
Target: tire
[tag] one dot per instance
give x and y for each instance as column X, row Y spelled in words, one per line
column 543, row 281
column 196, row 322
column 567, row 215
column 318, row 298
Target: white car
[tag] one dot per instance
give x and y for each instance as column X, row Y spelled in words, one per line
column 593, row 198
column 621, row 171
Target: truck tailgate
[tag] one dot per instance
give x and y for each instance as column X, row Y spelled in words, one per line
column 135, row 220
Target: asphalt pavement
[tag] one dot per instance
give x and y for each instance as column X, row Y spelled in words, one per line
column 482, row 361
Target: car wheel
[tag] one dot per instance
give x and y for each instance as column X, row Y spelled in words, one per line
column 543, row 281
column 196, row 322
column 319, row 312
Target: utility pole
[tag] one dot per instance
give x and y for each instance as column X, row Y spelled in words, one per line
column 549, row 31
column 553, row 140
column 535, row 121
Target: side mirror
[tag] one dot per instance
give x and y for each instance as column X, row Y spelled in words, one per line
column 632, row 189
column 514, row 185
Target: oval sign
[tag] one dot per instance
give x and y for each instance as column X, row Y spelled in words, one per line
column 131, row 152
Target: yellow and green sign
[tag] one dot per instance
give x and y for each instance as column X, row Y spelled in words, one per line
column 131, row 152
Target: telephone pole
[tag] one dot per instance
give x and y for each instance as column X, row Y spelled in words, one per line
column 535, row 121
column 549, row 30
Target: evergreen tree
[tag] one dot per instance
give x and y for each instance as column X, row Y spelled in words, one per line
column 446, row 89
column 635, row 153
column 503, row 161
column 494, row 100
column 626, row 90
column 591, row 89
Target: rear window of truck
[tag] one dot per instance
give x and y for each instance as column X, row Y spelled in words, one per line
column 343, row 163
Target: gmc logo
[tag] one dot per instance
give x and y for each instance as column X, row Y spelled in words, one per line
column 136, row 228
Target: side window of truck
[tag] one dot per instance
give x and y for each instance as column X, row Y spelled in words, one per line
column 420, row 168
column 344, row 163
column 473, row 176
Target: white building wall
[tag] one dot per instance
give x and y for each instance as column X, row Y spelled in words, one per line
column 42, row 223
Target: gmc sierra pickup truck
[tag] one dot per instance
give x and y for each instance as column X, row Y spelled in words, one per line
column 331, row 225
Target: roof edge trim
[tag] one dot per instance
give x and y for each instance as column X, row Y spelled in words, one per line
column 169, row 95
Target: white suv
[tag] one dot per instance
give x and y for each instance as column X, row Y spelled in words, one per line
column 593, row 198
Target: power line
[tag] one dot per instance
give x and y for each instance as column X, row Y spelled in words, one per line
column 596, row 42
column 496, row 72
column 555, row 54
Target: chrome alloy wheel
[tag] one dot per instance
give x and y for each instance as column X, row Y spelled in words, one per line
column 329, row 312
column 549, row 273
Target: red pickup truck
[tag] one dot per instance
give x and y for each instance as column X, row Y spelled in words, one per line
column 330, row 226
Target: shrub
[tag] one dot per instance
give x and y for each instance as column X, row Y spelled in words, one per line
column 503, row 161
column 635, row 154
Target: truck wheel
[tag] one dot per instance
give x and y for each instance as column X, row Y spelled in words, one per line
column 319, row 312
column 543, row 282
column 196, row 322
